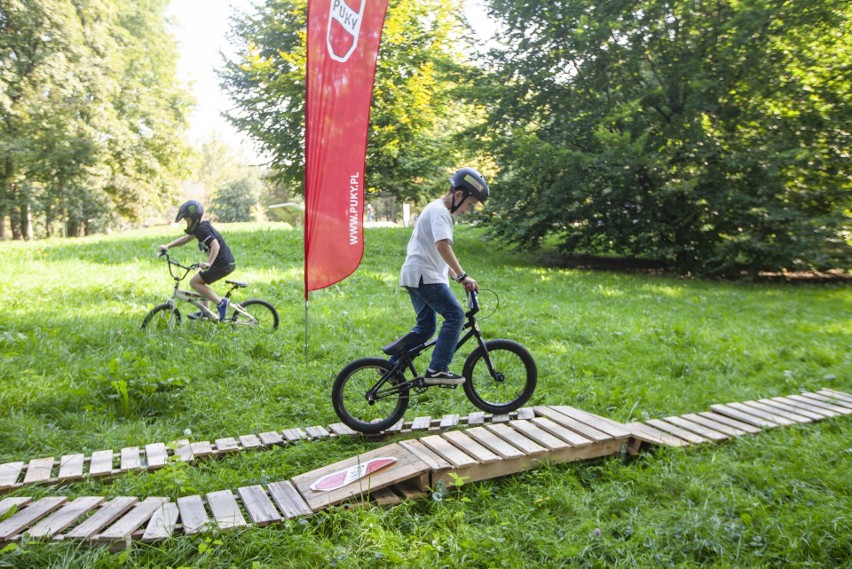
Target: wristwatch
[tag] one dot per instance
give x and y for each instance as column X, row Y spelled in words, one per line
column 461, row 277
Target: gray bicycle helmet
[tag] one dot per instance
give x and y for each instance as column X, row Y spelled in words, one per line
column 193, row 210
column 471, row 182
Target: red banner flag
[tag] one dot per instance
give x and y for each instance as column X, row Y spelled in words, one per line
column 343, row 44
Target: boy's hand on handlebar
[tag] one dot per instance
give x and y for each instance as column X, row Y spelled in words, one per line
column 205, row 265
column 470, row 284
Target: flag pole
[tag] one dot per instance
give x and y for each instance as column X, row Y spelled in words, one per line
column 306, row 334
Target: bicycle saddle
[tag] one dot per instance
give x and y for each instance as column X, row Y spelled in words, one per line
column 398, row 346
column 237, row 284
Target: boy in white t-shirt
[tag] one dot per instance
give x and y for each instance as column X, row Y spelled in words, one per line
column 429, row 262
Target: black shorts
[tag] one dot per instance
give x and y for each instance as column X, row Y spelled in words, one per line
column 216, row 272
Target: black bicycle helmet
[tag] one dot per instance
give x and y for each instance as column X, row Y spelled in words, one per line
column 193, row 210
column 471, row 182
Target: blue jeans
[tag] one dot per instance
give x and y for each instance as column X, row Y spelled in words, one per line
column 429, row 300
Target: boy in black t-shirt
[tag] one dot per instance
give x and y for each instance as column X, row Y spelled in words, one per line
column 220, row 261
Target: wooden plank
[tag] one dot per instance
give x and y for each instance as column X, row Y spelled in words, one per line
column 516, row 439
column 183, row 450
column 471, row 447
column 39, row 470
column 820, row 404
column 426, row 455
column 448, row 452
column 449, row 421
column 805, row 406
column 295, row 434
column 131, row 521
column 226, row 511
column 409, row 490
column 783, row 407
column 317, row 432
column 130, row 459
column 27, row 516
column 101, row 463
column 715, row 425
column 539, row 435
column 763, row 414
column 838, row 406
column 102, row 518
column 227, row 445
column 386, row 497
column 525, row 413
column 258, row 505
column 193, row 515
column 561, row 432
column 494, row 443
column 250, row 441
column 71, row 467
column 829, row 397
column 201, row 448
column 421, row 423
column 476, row 418
column 655, row 436
column 795, row 417
column 9, row 473
column 836, row 394
column 609, row 427
column 578, row 427
column 156, row 455
column 698, row 429
column 288, row 499
column 7, row 504
column 396, row 427
column 504, row 418
column 725, row 420
column 162, row 524
column 271, row 438
column 65, row 517
column 341, row 429
column 749, row 418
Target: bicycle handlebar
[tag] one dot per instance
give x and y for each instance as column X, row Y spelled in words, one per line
column 472, row 302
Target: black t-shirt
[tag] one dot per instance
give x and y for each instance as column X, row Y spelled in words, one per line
column 205, row 233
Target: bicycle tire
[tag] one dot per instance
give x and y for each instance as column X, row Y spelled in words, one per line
column 162, row 317
column 264, row 312
column 348, row 395
column 517, row 377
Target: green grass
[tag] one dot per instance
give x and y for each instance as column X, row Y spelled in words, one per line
column 78, row 375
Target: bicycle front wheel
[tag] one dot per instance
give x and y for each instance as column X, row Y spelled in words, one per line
column 360, row 410
column 507, row 384
column 260, row 314
column 162, row 317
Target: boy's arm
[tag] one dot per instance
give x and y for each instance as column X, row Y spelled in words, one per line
column 182, row 240
column 445, row 249
column 214, row 252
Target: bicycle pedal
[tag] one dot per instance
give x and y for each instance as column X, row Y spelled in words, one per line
column 443, row 386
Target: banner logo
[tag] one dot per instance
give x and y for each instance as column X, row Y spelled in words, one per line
column 349, row 475
column 344, row 27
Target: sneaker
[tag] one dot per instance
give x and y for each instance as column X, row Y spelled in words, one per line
column 446, row 377
column 197, row 315
column 222, row 307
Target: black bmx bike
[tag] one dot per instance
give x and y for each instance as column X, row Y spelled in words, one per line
column 371, row 394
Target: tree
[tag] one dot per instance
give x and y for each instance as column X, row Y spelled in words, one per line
column 709, row 135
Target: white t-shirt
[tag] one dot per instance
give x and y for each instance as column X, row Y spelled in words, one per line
column 422, row 259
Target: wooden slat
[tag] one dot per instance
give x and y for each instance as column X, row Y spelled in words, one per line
column 525, row 413
column 317, row 432
column 715, row 425
column 421, row 423
column 609, row 427
column 516, row 439
column 65, row 517
column 71, row 467
column 396, row 427
column 38, row 470
column 829, row 397
column 9, row 473
column 250, row 441
column 130, row 459
column 409, row 490
column 426, row 455
column 7, row 504
column 763, row 414
column 471, row 447
column 271, row 438
column 570, row 423
column 156, row 455
column 258, row 505
column 101, row 463
column 201, row 448
column 341, row 429
column 294, row 434
column 494, row 443
column 560, row 432
column 676, row 431
column 386, row 497
column 701, row 430
column 193, row 515
column 227, row 445
column 772, row 410
column 539, row 435
column 162, row 524
column 653, row 435
column 226, row 511
column 448, row 452
column 504, row 418
column 102, row 518
column 183, row 450
column 836, row 394
column 820, row 404
column 289, row 501
column 131, row 521
column 29, row 515
column 839, row 405
column 734, row 413
column 476, row 418
column 806, row 407
column 725, row 420
column 449, row 421
column 790, row 409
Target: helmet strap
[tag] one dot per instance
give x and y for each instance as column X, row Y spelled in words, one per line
column 455, row 205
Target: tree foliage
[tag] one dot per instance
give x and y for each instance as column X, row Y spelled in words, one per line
column 91, row 112
column 711, row 135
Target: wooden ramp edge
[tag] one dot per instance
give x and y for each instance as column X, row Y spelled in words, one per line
column 403, row 470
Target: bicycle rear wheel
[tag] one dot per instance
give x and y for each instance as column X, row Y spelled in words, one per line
column 162, row 317
column 263, row 314
column 352, row 404
column 511, row 383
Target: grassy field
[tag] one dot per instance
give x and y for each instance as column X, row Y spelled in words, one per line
column 78, row 375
